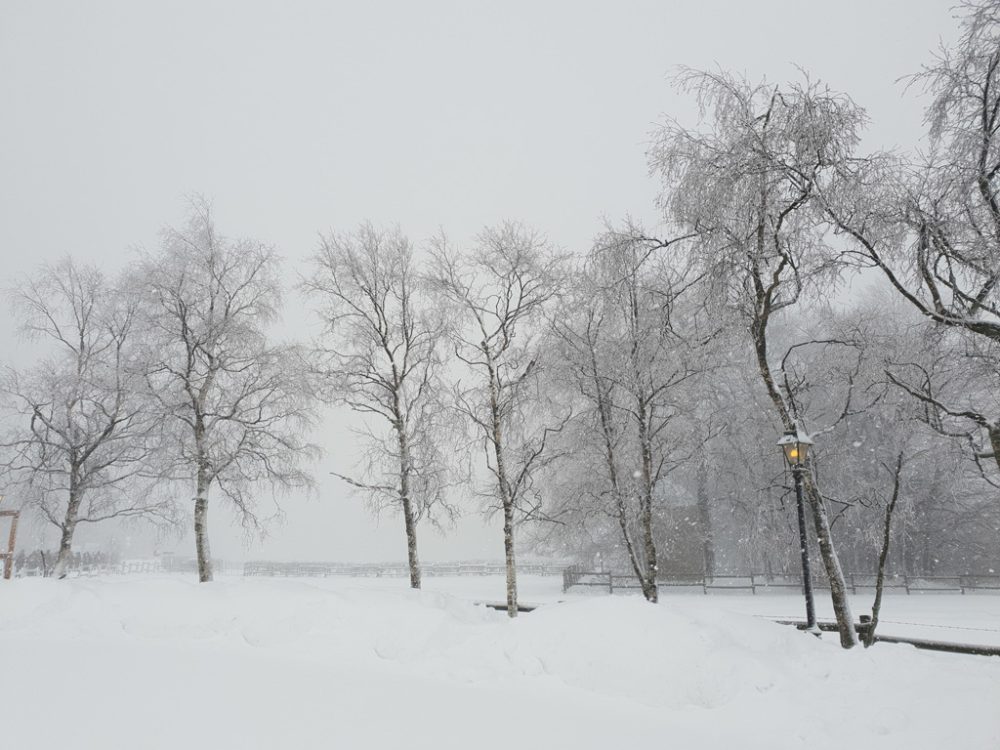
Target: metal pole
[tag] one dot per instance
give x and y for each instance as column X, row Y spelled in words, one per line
column 807, row 588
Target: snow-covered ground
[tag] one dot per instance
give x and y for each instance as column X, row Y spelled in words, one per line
column 165, row 662
column 957, row 618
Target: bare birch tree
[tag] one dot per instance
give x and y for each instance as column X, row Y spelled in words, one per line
column 934, row 230
column 747, row 184
column 237, row 405
column 81, row 435
column 382, row 346
column 630, row 343
column 499, row 289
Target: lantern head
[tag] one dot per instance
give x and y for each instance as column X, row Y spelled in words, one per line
column 795, row 444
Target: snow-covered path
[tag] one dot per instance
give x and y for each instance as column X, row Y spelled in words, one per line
column 956, row 618
column 341, row 663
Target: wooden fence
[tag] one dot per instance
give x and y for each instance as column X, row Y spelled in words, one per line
column 87, row 564
column 391, row 570
column 92, row 564
column 758, row 583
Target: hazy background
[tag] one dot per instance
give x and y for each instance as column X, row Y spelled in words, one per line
column 301, row 117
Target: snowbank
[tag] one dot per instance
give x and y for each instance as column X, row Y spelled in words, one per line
column 168, row 663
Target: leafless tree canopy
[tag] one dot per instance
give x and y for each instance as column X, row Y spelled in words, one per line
column 381, row 357
column 747, row 183
column 81, row 434
column 236, row 405
column 631, row 346
column 498, row 291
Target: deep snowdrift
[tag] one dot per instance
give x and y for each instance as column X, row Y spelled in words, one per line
column 168, row 663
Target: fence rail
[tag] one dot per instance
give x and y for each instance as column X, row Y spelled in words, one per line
column 573, row 576
column 85, row 564
column 758, row 583
column 98, row 564
column 391, row 570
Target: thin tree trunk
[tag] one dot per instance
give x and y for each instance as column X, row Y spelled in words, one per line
column 404, row 490
column 411, row 543
column 650, row 568
column 834, row 573
column 759, row 333
column 508, row 548
column 202, row 483
column 65, row 550
column 68, row 527
column 649, row 589
column 884, row 554
column 201, row 530
column 646, row 520
column 504, row 490
column 612, row 467
column 705, row 521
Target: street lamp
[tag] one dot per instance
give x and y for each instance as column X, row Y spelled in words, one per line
column 796, row 444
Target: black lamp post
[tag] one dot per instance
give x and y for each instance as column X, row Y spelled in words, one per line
column 795, row 445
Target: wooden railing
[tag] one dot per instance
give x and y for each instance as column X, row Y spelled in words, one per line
column 757, row 583
column 391, row 570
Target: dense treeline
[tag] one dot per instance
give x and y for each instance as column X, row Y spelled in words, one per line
column 621, row 403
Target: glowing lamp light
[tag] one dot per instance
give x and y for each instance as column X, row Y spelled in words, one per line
column 795, row 444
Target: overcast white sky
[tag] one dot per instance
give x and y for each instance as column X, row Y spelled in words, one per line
column 299, row 117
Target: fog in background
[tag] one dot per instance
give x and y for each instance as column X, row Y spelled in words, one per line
column 298, row 117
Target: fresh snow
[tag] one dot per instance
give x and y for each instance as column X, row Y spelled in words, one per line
column 972, row 618
column 165, row 662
